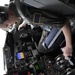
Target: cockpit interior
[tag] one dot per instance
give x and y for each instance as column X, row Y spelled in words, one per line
column 36, row 48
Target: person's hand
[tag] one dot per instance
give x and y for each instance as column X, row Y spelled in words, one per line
column 22, row 25
column 67, row 51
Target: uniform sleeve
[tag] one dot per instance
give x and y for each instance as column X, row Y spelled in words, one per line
column 61, row 22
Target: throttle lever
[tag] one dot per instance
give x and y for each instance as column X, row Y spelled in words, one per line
column 71, row 63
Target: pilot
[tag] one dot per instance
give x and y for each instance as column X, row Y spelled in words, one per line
column 12, row 16
column 66, row 29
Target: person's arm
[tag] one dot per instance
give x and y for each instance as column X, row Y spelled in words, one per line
column 23, row 24
column 67, row 50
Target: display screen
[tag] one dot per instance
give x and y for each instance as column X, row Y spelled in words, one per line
column 37, row 18
column 20, row 55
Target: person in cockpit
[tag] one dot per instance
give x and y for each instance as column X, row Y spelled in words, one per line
column 13, row 17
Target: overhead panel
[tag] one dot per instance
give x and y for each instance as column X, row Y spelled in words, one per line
column 33, row 3
column 54, row 5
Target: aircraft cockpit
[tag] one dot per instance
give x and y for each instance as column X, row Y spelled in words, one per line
column 36, row 48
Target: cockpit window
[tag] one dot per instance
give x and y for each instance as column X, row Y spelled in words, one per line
column 4, row 2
